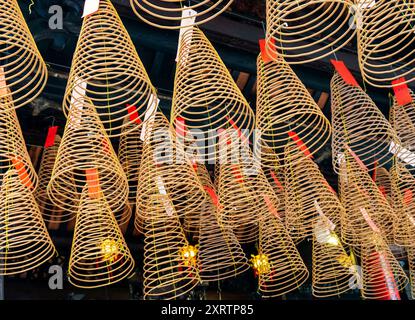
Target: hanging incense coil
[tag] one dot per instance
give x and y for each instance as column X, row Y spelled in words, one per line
column 24, row 240
column 332, row 266
column 403, row 192
column 166, row 174
column 402, row 119
column 206, row 98
column 86, row 153
column 99, row 255
column 284, row 269
column 50, row 212
column 367, row 210
column 383, row 277
column 167, row 14
column 13, row 152
column 386, row 42
column 23, row 73
column 411, row 260
column 286, row 112
column 170, row 264
column 107, row 69
column 129, row 154
column 303, row 31
column 383, row 181
column 359, row 124
column 308, row 196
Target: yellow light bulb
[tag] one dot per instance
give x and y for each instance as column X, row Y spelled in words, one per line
column 109, row 249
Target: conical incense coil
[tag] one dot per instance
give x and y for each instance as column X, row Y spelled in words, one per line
column 403, row 191
column 86, row 154
column 308, row 196
column 107, row 69
column 51, row 213
column 220, row 254
column 402, row 119
column 303, row 31
column 167, row 14
column 383, row 181
column 358, row 124
column 167, row 174
column 206, row 99
column 332, row 266
column 13, row 152
column 281, row 267
column 129, row 154
column 366, row 209
column 411, row 260
column 99, row 255
column 170, row 263
column 386, row 42
column 23, row 73
column 286, row 112
column 24, row 240
column 383, row 277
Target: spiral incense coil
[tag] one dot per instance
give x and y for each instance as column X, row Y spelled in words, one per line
column 86, row 153
column 50, row 213
column 386, row 42
column 403, row 192
column 402, row 119
column 107, row 64
column 129, row 154
column 366, row 209
column 167, row 14
column 303, row 31
column 206, row 98
column 308, row 196
column 383, row 181
column 24, row 240
column 383, row 277
column 23, row 73
column 99, row 255
column 13, row 152
column 286, row 111
column 411, row 260
column 166, row 174
column 359, row 124
column 332, row 266
column 170, row 263
column 284, row 269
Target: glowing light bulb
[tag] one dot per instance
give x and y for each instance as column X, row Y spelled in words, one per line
column 260, row 263
column 109, row 249
column 188, row 255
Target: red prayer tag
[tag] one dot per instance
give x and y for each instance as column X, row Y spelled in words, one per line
column 180, row 127
column 383, row 190
column 22, row 172
column 267, row 54
column 344, row 72
column 237, row 174
column 132, row 111
column 92, row 180
column 50, row 138
column 354, row 155
column 402, row 94
column 271, row 206
column 212, row 195
column 277, row 182
column 408, row 196
column 300, row 143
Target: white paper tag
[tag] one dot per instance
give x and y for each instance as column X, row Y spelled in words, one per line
column 149, row 116
column 369, row 220
column 166, row 201
column 77, row 102
column 403, row 154
column 323, row 234
column 90, row 7
column 3, row 84
column 188, row 20
column 329, row 223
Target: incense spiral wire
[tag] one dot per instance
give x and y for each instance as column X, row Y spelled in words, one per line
column 206, row 98
column 303, row 31
column 359, row 125
column 383, row 181
column 411, row 260
column 286, row 111
column 285, row 270
column 386, row 42
column 86, row 154
column 24, row 240
column 167, row 14
column 23, row 73
column 107, row 69
column 50, row 212
column 13, row 152
column 308, row 196
column 99, row 254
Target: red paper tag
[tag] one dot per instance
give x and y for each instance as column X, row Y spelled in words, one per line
column 224, row 135
column 237, row 173
column 375, row 169
column 267, row 54
column 344, row 72
column 132, row 111
column 383, row 190
column 194, row 164
column 329, row 186
column 234, row 125
column 180, row 127
column 277, row 182
column 92, row 180
column 3, row 84
column 402, row 94
column 271, row 206
column 106, row 146
column 50, row 139
column 300, row 143
column 212, row 195
column 408, row 196
column 22, row 172
column 354, row 155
